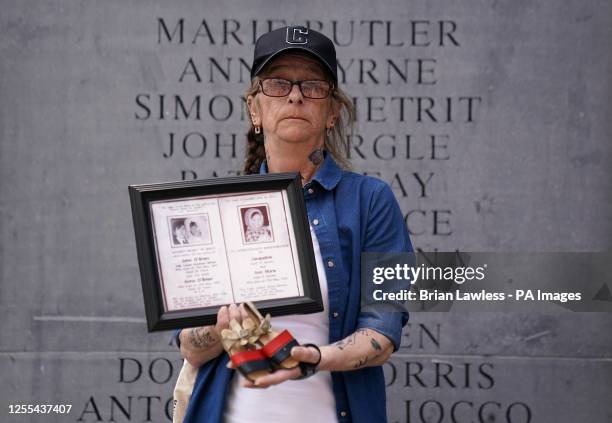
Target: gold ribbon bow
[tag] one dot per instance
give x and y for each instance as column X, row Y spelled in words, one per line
column 264, row 327
column 246, row 334
column 264, row 322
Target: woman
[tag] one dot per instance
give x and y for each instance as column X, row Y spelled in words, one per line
column 298, row 117
column 255, row 230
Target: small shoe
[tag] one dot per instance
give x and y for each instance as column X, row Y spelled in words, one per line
column 275, row 346
column 251, row 364
column 238, row 341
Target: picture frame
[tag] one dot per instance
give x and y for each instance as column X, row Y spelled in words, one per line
column 206, row 243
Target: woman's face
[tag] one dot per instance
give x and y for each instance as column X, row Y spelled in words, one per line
column 256, row 221
column 293, row 118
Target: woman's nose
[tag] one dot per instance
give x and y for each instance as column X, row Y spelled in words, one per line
column 295, row 94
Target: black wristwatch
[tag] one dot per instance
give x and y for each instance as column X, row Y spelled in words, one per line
column 309, row 369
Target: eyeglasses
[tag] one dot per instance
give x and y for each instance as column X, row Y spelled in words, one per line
column 277, row 87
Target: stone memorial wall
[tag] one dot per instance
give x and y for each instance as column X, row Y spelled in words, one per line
column 489, row 119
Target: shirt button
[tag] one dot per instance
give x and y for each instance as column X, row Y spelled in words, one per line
column 310, row 191
column 335, row 314
column 343, row 413
column 330, row 263
column 315, row 222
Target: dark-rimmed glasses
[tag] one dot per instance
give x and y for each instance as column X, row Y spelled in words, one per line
column 278, row 87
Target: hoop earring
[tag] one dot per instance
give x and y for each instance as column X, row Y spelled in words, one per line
column 257, row 129
column 329, row 131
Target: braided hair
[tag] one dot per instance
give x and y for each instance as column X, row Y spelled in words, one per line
column 255, row 152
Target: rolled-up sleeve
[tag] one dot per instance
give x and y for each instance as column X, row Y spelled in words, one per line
column 389, row 324
column 385, row 232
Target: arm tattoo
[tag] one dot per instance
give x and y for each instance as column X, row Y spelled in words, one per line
column 372, row 356
column 346, row 342
column 375, row 344
column 202, row 338
column 361, row 363
column 376, row 351
column 351, row 340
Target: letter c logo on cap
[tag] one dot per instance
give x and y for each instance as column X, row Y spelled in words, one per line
column 297, row 35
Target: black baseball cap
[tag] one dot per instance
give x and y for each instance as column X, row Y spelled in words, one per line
column 294, row 38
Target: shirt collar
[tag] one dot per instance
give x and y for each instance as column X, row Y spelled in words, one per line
column 327, row 176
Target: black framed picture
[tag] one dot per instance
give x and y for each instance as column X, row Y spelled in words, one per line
column 203, row 244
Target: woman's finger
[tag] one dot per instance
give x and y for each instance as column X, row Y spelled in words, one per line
column 223, row 317
column 275, row 378
column 243, row 312
column 248, row 384
column 305, row 354
column 234, row 313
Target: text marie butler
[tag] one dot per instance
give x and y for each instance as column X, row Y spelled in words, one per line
column 482, row 295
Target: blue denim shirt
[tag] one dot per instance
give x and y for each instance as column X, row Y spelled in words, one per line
column 355, row 214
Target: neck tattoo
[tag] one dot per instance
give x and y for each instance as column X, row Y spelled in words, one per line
column 316, row 157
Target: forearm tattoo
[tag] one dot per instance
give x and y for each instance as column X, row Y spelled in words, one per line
column 346, row 342
column 362, row 362
column 351, row 340
column 202, row 337
column 375, row 344
column 373, row 354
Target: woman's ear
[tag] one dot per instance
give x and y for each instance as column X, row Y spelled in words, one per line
column 333, row 115
column 253, row 110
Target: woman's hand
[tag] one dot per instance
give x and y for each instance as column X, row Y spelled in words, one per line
column 363, row 348
column 228, row 313
column 201, row 344
column 303, row 354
